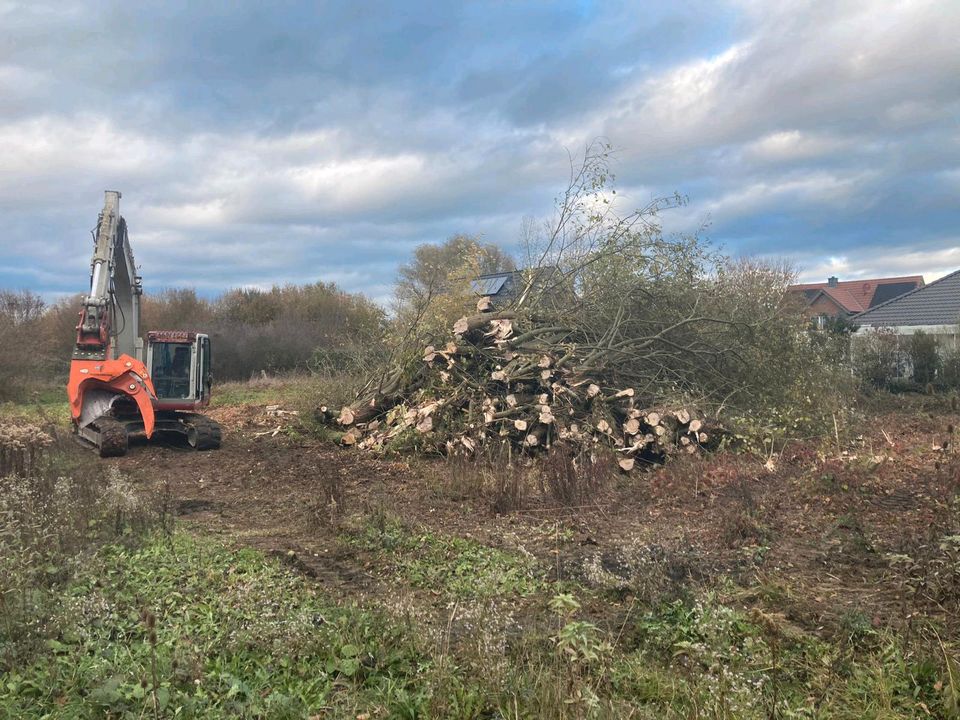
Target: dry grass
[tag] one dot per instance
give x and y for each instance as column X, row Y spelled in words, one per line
column 56, row 502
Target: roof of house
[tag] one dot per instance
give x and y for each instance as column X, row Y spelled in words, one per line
column 935, row 304
column 856, row 296
column 843, row 297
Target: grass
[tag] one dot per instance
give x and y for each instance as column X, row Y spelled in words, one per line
column 188, row 628
column 293, row 391
column 45, row 404
column 456, row 567
column 183, row 626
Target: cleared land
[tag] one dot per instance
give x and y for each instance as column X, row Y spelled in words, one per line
column 308, row 580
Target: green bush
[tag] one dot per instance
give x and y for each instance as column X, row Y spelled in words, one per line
column 876, row 357
column 905, row 385
column 950, row 369
column 924, row 352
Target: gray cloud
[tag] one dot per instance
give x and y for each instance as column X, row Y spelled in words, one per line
column 284, row 144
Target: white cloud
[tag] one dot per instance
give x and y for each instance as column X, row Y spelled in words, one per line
column 872, row 262
column 788, row 145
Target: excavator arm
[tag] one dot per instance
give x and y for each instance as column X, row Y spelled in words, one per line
column 110, row 317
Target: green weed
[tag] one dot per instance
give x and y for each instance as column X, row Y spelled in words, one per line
column 456, row 566
column 227, row 634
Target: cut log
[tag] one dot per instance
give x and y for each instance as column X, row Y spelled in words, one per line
column 631, row 426
column 346, row 416
column 468, row 324
column 500, row 329
column 653, row 419
column 682, row 416
column 593, row 390
column 485, row 304
column 626, row 464
column 520, row 425
column 695, row 426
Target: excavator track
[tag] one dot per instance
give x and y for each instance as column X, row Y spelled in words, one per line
column 113, row 440
column 202, row 432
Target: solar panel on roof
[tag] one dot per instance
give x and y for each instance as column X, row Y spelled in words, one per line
column 890, row 291
column 488, row 286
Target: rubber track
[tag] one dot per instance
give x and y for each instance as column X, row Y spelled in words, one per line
column 113, row 437
column 208, row 432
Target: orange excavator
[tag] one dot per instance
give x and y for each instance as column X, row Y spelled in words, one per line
column 115, row 388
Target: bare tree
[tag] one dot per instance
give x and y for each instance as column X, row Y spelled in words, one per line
column 20, row 306
column 433, row 267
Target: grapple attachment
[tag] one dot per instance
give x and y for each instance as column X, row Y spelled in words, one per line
column 96, row 385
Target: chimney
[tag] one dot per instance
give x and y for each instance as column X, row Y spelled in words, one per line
column 832, row 281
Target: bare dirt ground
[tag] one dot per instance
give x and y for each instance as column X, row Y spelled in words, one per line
column 813, row 534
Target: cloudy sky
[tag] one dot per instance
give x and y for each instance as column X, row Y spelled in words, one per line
column 292, row 142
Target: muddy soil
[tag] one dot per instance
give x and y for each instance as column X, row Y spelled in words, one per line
column 808, row 534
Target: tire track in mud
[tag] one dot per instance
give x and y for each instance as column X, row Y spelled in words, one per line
column 270, row 495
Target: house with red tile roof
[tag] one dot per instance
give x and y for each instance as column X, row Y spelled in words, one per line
column 835, row 298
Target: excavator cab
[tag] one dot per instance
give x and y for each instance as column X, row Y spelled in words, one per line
column 179, row 365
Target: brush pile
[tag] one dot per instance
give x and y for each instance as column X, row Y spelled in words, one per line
column 494, row 384
column 21, row 447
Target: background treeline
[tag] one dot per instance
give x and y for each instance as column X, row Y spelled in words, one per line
column 311, row 328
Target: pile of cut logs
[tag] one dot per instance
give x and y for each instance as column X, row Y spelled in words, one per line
column 495, row 384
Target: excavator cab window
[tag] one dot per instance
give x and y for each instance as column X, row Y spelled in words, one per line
column 171, row 370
